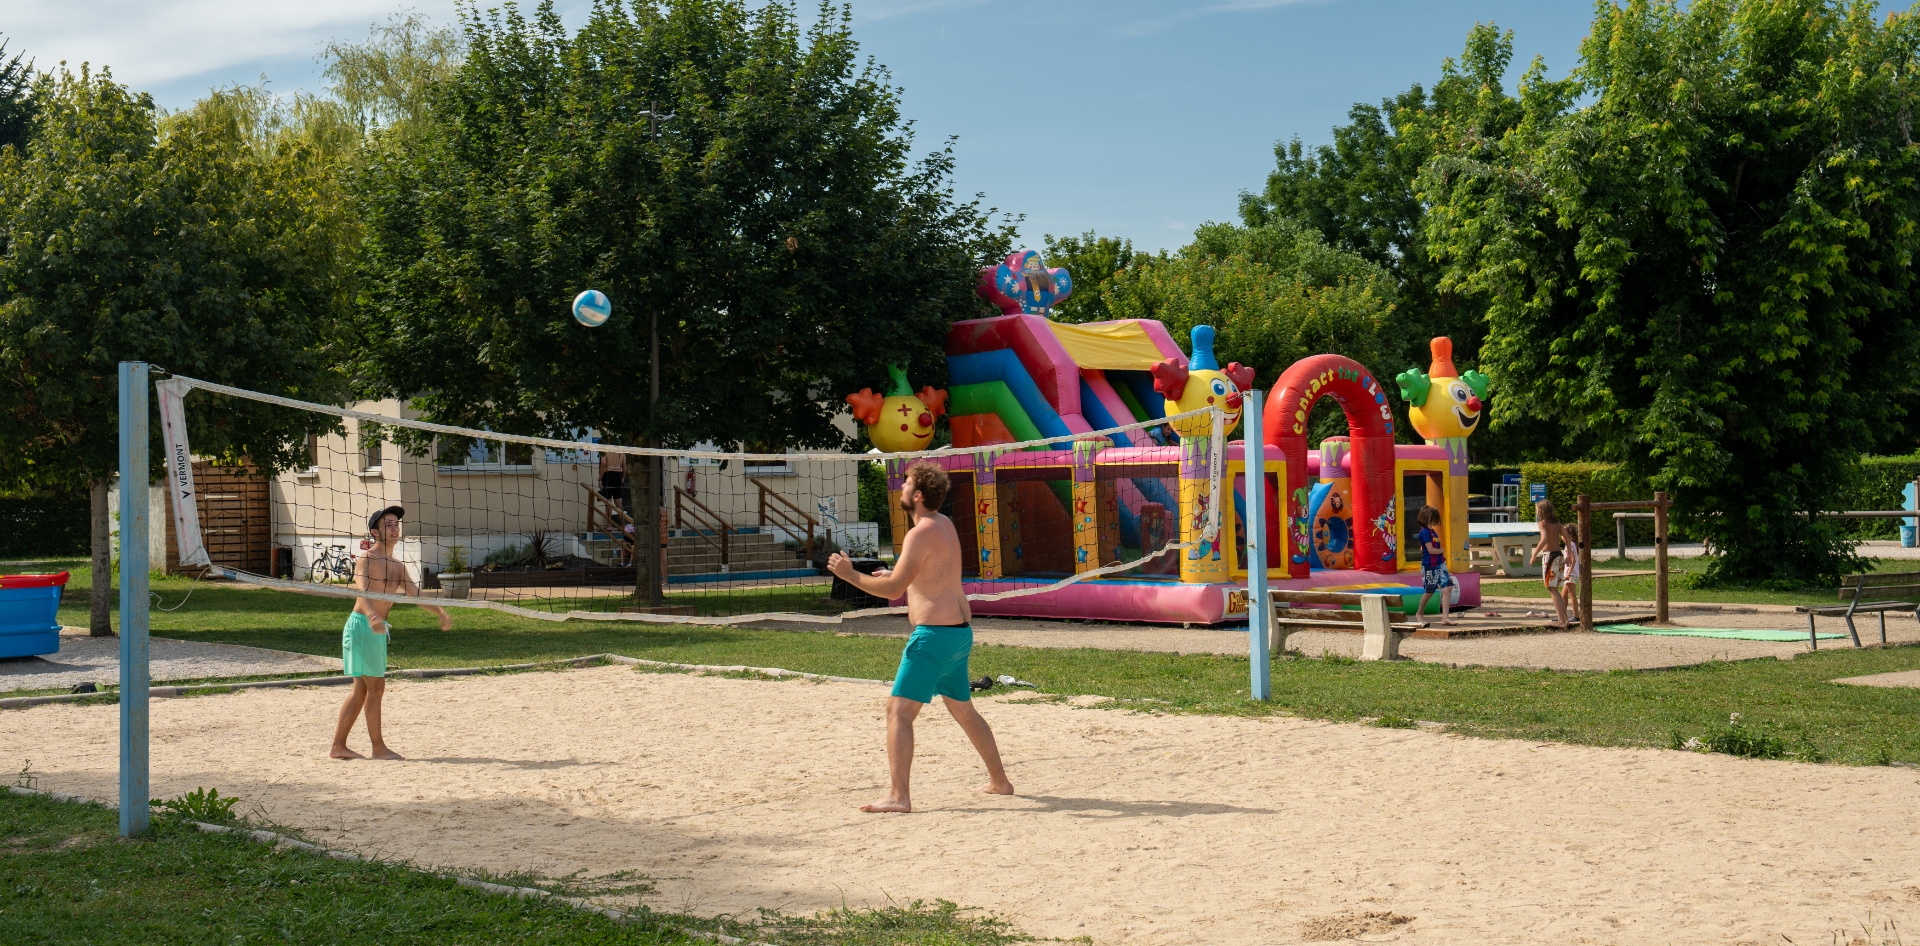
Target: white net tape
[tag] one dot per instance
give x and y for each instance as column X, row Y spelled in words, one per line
column 478, row 491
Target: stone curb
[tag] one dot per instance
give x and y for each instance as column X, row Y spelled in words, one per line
column 282, row 842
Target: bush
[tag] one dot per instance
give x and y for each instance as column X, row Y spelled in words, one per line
column 1877, row 483
column 37, row 527
column 1602, row 482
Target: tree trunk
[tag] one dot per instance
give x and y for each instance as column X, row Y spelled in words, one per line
column 100, row 617
column 648, row 561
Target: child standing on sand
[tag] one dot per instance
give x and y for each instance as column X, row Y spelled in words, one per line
column 1560, row 569
column 1434, row 577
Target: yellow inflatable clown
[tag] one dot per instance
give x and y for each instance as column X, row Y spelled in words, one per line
column 902, row 420
column 1443, row 403
column 1201, row 383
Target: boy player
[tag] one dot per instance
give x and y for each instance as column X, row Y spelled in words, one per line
column 363, row 643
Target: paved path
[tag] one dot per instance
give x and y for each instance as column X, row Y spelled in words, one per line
column 85, row 659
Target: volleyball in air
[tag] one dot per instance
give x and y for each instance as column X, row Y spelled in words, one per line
column 592, row 308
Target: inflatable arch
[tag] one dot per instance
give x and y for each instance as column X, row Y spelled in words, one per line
column 1375, row 541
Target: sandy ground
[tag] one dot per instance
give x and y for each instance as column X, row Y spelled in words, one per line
column 1129, row 829
column 84, row 659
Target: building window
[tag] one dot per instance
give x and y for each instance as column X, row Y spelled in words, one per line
column 313, row 455
column 466, row 455
column 369, row 450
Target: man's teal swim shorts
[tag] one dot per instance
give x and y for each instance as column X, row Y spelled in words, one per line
column 935, row 661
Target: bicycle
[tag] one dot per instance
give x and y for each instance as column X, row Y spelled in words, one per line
column 332, row 564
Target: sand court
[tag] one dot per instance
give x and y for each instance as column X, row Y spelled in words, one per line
column 737, row 794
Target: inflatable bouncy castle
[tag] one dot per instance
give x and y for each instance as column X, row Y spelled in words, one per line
column 1030, row 517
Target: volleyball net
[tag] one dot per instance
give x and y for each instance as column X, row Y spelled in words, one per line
column 559, row 528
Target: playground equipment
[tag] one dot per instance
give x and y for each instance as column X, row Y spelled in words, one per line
column 29, row 614
column 902, row 420
column 1035, row 516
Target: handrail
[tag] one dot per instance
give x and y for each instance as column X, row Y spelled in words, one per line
column 712, row 522
column 790, row 523
column 614, row 515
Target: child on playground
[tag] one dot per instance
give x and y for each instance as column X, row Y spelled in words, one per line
column 363, row 642
column 1434, row 577
column 1560, row 569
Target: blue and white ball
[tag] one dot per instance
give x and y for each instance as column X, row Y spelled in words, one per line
column 592, row 308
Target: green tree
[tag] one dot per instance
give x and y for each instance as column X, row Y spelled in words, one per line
column 16, row 99
column 388, row 81
column 1708, row 265
column 771, row 240
column 1093, row 261
column 187, row 244
column 1274, row 294
column 1359, row 192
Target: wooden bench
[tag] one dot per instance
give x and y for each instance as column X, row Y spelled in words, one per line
column 1380, row 636
column 1890, row 585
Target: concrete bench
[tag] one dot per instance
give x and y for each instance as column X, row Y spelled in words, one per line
column 1380, row 637
column 1892, row 585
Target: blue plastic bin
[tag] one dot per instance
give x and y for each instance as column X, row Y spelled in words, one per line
column 30, row 614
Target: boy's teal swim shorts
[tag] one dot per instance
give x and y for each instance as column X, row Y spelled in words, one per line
column 935, row 661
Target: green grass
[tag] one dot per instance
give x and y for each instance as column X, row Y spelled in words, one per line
column 1860, row 725
column 67, row 878
column 1682, row 573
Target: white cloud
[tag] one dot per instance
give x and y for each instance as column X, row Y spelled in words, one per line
column 156, row 41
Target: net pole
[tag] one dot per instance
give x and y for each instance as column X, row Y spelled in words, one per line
column 1258, row 604
column 134, row 380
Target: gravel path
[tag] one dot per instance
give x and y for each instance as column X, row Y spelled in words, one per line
column 85, row 659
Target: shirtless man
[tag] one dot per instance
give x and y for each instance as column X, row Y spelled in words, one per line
column 363, row 643
column 935, row 659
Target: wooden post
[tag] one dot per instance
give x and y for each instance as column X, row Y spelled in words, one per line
column 1659, row 558
column 1620, row 537
column 1585, row 507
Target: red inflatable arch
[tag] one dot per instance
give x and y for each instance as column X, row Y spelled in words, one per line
column 1370, row 423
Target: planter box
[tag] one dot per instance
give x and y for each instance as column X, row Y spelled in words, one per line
column 30, row 614
column 561, row 578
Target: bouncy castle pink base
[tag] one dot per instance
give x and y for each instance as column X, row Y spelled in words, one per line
column 1173, row 602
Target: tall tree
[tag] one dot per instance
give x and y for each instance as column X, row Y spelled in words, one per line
column 1359, row 192
column 16, row 99
column 1708, row 266
column 742, row 191
column 1093, row 261
column 199, row 244
column 1275, row 294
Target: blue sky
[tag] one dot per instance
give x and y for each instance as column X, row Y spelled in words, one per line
column 1129, row 117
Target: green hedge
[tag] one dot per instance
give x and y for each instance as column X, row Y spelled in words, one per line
column 1602, row 482
column 1877, row 483
column 38, row 527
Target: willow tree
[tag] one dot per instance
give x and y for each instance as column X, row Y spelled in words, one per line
column 741, row 189
column 1699, row 249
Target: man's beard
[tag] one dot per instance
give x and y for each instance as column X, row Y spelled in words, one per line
column 906, row 505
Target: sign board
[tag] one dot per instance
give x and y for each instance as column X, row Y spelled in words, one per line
column 1511, row 479
column 1537, row 492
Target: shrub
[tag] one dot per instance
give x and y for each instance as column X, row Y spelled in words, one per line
column 201, row 804
column 35, row 527
column 1602, row 482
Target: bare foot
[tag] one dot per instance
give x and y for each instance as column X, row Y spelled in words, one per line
column 342, row 752
column 1002, row 787
column 888, row 805
column 385, row 753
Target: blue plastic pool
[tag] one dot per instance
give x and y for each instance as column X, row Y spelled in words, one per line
column 30, row 614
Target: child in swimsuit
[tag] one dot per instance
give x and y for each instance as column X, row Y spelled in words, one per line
column 1434, row 577
column 1559, row 569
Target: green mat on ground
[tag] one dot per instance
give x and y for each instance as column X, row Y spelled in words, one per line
column 1732, row 634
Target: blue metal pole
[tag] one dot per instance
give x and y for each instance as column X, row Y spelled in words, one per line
column 1258, row 606
column 134, row 478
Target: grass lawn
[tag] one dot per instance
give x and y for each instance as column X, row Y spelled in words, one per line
column 70, row 879
column 1682, row 571
column 1820, row 720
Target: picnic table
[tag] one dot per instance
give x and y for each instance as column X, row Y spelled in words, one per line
column 1502, row 547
